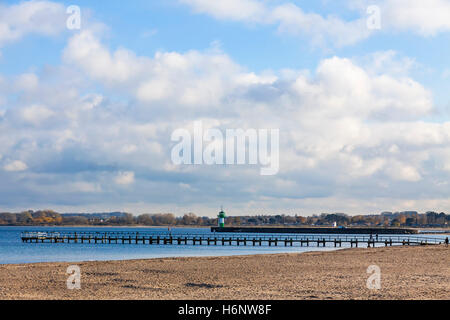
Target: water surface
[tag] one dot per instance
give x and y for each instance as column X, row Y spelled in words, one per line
column 13, row 251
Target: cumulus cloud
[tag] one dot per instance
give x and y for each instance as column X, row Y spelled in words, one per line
column 31, row 17
column 85, row 187
column 342, row 125
column 15, row 166
column 424, row 19
column 352, row 131
column 154, row 79
column 403, row 171
column 125, row 178
column 36, row 114
column 289, row 18
column 388, row 62
column 27, row 82
column 88, row 52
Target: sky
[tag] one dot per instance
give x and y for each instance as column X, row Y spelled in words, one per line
column 357, row 89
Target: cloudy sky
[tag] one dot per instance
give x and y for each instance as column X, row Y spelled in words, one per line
column 86, row 115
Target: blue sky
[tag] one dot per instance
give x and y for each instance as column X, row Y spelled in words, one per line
column 86, row 115
column 173, row 26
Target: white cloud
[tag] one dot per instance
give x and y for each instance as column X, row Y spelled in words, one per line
column 85, row 49
column 289, row 18
column 205, row 79
column 125, row 178
column 403, row 171
column 426, row 18
column 27, row 82
column 86, row 187
column 15, row 166
column 388, row 62
column 36, row 114
column 292, row 19
column 423, row 18
column 154, row 79
column 31, row 17
column 129, row 148
column 343, row 89
column 348, row 129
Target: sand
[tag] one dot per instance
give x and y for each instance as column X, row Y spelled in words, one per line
column 406, row 273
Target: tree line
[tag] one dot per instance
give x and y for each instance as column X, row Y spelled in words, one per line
column 385, row 219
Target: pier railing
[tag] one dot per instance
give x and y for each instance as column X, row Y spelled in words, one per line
column 216, row 238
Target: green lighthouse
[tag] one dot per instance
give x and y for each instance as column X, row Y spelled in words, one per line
column 221, row 217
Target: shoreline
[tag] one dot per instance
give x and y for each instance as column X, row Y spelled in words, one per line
column 419, row 272
column 108, row 226
column 175, row 257
column 431, row 231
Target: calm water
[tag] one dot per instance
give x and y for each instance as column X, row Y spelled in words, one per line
column 12, row 250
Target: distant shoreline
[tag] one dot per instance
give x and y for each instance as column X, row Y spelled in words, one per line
column 22, row 264
column 426, row 230
column 103, row 226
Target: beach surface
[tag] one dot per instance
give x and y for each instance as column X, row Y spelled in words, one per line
column 421, row 272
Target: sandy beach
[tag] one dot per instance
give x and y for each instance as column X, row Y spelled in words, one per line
column 406, row 273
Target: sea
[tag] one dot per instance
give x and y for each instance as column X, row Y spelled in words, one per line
column 14, row 251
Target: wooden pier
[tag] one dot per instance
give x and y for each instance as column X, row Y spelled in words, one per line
column 223, row 239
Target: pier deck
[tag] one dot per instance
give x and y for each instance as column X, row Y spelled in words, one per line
column 321, row 230
column 167, row 238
